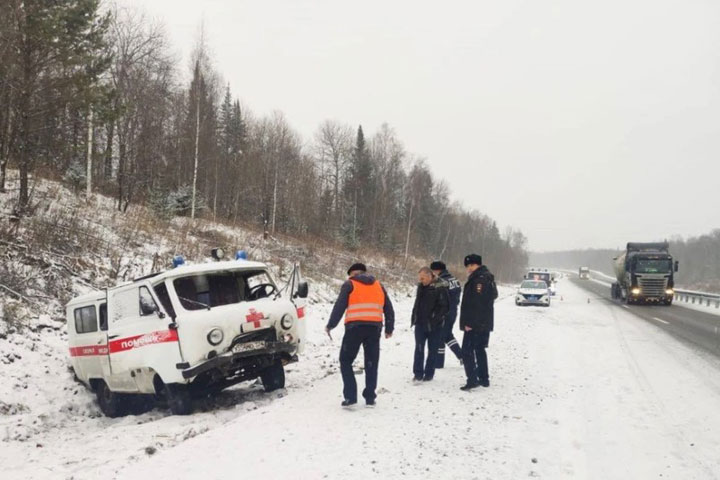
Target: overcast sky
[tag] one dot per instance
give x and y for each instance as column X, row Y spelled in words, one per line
column 583, row 123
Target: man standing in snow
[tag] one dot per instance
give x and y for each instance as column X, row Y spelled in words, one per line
column 476, row 320
column 440, row 270
column 364, row 302
column 428, row 317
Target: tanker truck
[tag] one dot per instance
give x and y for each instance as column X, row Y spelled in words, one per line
column 584, row 273
column 645, row 274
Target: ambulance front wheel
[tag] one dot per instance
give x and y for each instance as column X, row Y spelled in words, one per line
column 178, row 399
column 112, row 404
column 273, row 377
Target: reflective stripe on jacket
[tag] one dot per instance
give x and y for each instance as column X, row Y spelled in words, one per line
column 366, row 303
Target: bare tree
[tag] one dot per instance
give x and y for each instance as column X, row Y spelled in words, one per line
column 333, row 147
column 141, row 77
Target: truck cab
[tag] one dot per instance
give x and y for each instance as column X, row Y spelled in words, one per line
column 645, row 274
column 584, row 273
column 191, row 330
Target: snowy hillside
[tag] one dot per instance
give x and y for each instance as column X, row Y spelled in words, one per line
column 68, row 248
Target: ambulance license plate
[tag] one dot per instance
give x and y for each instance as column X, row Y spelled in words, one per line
column 248, row 347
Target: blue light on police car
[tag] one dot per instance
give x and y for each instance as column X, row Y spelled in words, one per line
column 241, row 255
column 178, row 260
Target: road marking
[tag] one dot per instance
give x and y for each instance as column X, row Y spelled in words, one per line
column 660, row 320
column 625, row 306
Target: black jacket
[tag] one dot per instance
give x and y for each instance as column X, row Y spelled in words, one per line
column 454, row 291
column 341, row 305
column 479, row 294
column 432, row 305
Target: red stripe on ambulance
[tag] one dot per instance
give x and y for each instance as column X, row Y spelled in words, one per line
column 301, row 312
column 88, row 350
column 138, row 341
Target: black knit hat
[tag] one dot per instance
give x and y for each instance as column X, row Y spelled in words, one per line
column 438, row 265
column 473, row 259
column 357, row 266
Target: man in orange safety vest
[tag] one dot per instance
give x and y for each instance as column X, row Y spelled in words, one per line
column 364, row 302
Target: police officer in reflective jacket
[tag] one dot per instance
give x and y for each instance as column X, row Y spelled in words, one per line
column 364, row 302
column 454, row 289
column 477, row 321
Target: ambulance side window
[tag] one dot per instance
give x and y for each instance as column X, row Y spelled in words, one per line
column 103, row 317
column 147, row 303
column 162, row 293
column 86, row 319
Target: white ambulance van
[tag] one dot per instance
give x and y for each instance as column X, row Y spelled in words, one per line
column 191, row 330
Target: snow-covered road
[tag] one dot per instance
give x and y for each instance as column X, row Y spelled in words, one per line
column 579, row 390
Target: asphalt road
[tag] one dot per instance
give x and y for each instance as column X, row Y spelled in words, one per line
column 694, row 326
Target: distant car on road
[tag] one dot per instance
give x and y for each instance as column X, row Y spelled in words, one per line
column 584, row 273
column 533, row 292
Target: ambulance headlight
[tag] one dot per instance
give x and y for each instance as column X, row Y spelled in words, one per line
column 287, row 321
column 215, row 336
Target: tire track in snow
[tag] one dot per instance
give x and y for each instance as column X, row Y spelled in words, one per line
column 661, row 412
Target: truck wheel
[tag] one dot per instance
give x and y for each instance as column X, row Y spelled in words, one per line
column 112, row 404
column 178, row 399
column 273, row 377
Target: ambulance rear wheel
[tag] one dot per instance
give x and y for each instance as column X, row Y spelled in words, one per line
column 112, row 404
column 178, row 399
column 273, row 378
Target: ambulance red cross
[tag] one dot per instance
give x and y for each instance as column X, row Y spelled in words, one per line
column 191, row 330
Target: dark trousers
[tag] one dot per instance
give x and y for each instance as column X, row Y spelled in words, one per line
column 433, row 338
column 369, row 337
column 475, row 357
column 448, row 339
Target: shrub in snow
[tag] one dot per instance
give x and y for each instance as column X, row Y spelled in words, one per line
column 13, row 317
column 75, row 176
column 175, row 203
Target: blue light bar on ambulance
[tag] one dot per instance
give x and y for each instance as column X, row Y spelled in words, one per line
column 178, row 261
column 241, row 255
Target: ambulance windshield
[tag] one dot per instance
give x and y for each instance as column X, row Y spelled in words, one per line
column 213, row 289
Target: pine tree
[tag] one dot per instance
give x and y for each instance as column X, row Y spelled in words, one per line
column 60, row 47
column 358, row 192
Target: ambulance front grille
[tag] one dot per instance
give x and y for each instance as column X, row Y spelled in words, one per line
column 263, row 335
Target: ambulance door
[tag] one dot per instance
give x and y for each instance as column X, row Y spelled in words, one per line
column 299, row 291
column 141, row 336
column 88, row 346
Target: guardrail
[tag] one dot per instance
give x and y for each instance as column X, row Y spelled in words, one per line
column 697, row 298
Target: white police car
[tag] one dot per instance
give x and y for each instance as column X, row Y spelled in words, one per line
column 194, row 329
column 533, row 292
